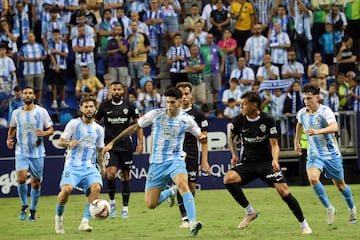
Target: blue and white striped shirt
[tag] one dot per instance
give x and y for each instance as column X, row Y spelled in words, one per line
column 60, row 60
column 50, row 26
column 279, row 55
column 322, row 146
column 263, row 9
column 90, row 136
column 168, row 134
column 256, row 46
column 84, row 58
column 243, row 74
column 182, row 51
column 26, row 123
column 35, row 50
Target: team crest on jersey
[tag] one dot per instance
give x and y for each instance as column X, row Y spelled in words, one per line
column 125, row 110
column 262, row 127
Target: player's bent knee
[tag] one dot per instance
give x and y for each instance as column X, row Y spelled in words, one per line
column 95, row 188
column 231, row 177
column 150, row 204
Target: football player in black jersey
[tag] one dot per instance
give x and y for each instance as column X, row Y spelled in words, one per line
column 191, row 147
column 257, row 132
column 117, row 114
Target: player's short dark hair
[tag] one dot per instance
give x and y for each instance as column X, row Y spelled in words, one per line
column 310, row 88
column 253, row 97
column 87, row 99
column 117, row 82
column 173, row 92
column 184, row 85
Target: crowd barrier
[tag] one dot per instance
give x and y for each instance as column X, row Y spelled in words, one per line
column 219, row 158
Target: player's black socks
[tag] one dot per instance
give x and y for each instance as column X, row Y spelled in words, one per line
column 23, row 208
column 111, row 189
column 125, row 192
column 181, row 206
column 294, row 207
column 237, row 193
column 32, row 213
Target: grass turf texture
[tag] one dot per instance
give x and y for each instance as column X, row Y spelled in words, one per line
column 218, row 212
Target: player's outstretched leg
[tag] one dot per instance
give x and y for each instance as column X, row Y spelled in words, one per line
column 169, row 195
column 126, row 197
column 322, row 196
column 59, row 223
column 84, row 224
column 22, row 192
column 348, row 197
column 189, row 205
column 34, row 195
column 184, row 217
column 296, row 210
column 111, row 192
column 237, row 193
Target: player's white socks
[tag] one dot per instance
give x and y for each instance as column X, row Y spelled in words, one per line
column 249, row 209
column 304, row 224
column 112, row 201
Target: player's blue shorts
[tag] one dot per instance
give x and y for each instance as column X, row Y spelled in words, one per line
column 81, row 178
column 332, row 168
column 35, row 165
column 159, row 173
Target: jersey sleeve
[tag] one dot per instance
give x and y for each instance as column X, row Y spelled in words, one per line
column 329, row 115
column 204, row 124
column 47, row 119
column 148, row 118
column 273, row 133
column 100, row 141
column 236, row 124
column 69, row 130
column 193, row 127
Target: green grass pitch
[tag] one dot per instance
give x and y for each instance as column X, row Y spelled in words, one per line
column 218, row 212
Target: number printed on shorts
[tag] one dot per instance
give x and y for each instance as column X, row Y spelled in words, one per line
column 67, row 174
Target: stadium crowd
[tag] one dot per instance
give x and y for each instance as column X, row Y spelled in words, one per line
column 77, row 48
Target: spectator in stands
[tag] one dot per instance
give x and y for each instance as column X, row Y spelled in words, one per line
column 171, row 10
column 113, row 5
column 218, row 113
column 277, row 100
column 333, row 99
column 105, row 32
column 319, row 70
column 198, row 36
column 32, row 55
column 255, row 48
column 264, row 9
column 89, row 31
column 355, row 94
column 89, row 16
column 154, row 19
column 206, row 13
column 303, row 39
column 69, row 8
column 194, row 67
column 243, row 12
column 141, row 27
column 54, row 23
column 324, row 94
column 244, row 75
column 328, row 44
column 22, row 24
column 190, row 21
column 7, row 36
column 123, row 20
column 214, row 67
column 320, row 9
column 177, row 56
column 267, row 71
column 231, row 93
column 285, row 21
column 83, row 48
column 138, row 6
column 343, row 88
column 293, row 103
column 139, row 46
column 352, row 10
column 94, row 7
column 337, row 19
column 220, row 20
column 87, row 84
column 146, row 77
column 116, row 50
column 104, row 94
column 149, row 97
column 58, row 52
column 132, row 96
column 228, row 45
column 346, row 57
column 232, row 110
column 15, row 102
column 279, row 45
column 292, row 69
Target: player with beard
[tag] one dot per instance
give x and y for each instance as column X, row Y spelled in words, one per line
column 30, row 124
column 191, row 148
column 260, row 159
column 117, row 114
column 84, row 139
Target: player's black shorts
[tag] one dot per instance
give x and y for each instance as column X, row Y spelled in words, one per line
column 121, row 160
column 263, row 170
column 192, row 166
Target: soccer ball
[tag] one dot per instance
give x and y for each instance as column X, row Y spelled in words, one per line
column 100, row 209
